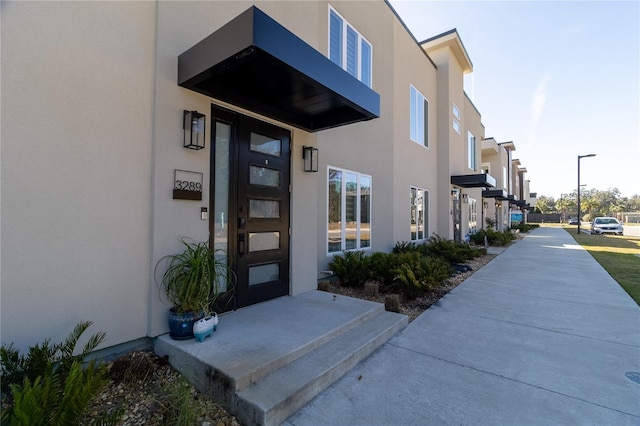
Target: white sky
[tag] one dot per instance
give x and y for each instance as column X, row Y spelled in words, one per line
column 559, row 79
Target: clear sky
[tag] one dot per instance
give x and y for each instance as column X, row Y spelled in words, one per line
column 559, row 79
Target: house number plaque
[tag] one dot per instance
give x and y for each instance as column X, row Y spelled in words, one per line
column 187, row 185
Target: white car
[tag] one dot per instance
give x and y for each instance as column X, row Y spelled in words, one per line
column 603, row 225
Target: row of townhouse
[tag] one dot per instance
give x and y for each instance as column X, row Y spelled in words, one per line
column 325, row 126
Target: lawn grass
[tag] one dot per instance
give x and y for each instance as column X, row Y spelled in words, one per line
column 618, row 255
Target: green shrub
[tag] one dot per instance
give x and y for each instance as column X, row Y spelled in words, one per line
column 404, row 247
column 449, row 250
column 45, row 358
column 52, row 401
column 351, row 268
column 49, row 386
column 494, row 238
column 381, row 266
column 526, row 227
column 417, row 273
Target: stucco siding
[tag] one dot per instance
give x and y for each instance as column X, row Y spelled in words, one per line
column 77, row 99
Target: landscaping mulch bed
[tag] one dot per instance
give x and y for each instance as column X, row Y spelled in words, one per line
column 148, row 391
column 413, row 308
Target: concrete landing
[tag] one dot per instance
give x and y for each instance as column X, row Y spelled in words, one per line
column 268, row 360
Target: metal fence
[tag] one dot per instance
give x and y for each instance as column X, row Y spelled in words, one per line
column 628, row 217
column 543, row 218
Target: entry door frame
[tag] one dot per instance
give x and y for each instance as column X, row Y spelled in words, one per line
column 236, row 121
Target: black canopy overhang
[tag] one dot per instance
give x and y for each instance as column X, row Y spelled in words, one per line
column 498, row 194
column 255, row 63
column 482, row 180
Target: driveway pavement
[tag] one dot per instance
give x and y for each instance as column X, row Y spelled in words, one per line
column 542, row 335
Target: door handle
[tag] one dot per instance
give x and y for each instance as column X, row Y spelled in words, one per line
column 242, row 223
column 240, row 245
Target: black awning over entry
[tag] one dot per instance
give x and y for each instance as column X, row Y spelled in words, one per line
column 482, row 180
column 255, row 63
column 498, row 194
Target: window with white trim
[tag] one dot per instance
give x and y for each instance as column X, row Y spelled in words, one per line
column 419, row 214
column 349, row 49
column 348, row 210
column 418, row 117
column 471, row 151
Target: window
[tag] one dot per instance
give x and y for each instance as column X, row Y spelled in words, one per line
column 349, row 211
column 419, row 213
column 456, row 112
column 349, row 49
column 456, row 118
column 473, row 216
column 505, row 184
column 419, row 117
column 456, row 126
column 471, row 150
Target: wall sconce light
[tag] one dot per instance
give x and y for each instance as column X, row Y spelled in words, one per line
column 485, row 205
column 193, row 124
column 465, row 198
column 310, row 157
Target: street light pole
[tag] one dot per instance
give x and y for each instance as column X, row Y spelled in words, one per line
column 580, row 217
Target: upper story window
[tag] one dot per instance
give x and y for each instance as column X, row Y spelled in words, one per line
column 456, row 112
column 471, row 150
column 348, row 48
column 456, row 118
column 419, row 117
column 456, row 125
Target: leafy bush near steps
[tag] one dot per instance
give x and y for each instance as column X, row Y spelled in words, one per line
column 49, row 385
column 382, row 266
column 417, row 273
column 494, row 238
column 351, row 268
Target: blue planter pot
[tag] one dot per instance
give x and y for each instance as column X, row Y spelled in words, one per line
column 181, row 325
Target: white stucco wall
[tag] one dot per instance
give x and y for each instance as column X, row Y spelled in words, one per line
column 77, row 100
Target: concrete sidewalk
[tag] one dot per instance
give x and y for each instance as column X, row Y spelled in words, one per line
column 541, row 335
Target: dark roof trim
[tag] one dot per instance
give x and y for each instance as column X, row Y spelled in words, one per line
column 481, row 180
column 498, row 194
column 411, row 34
column 255, row 63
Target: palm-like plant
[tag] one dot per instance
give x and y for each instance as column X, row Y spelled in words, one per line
column 195, row 277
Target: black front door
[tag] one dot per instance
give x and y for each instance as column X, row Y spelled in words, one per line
column 258, row 204
column 457, row 215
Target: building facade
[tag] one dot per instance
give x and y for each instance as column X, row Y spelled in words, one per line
column 97, row 185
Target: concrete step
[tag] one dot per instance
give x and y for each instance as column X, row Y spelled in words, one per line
column 274, row 398
column 266, row 361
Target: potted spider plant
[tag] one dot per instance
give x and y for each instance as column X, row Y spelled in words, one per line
column 192, row 282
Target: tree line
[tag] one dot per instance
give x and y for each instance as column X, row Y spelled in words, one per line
column 593, row 203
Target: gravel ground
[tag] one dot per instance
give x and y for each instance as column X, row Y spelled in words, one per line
column 148, row 391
